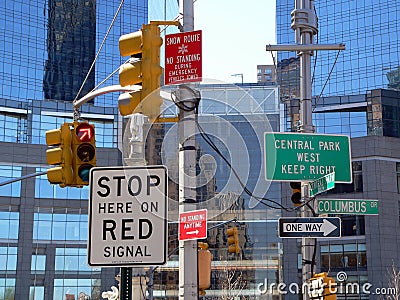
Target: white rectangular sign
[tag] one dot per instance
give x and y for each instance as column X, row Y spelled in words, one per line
column 127, row 216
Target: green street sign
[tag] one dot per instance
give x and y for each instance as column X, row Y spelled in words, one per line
column 307, row 157
column 322, row 184
column 347, row 206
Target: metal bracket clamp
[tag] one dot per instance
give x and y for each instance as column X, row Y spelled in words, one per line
column 305, row 20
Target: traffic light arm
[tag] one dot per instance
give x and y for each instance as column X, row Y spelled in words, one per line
column 108, row 89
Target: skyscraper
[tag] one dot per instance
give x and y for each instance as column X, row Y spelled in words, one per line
column 47, row 48
column 354, row 93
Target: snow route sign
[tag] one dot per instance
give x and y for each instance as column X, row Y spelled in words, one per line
column 183, row 57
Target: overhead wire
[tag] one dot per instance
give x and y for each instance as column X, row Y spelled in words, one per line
column 100, row 48
column 209, row 141
column 327, row 79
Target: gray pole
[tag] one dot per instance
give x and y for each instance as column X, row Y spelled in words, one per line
column 304, row 23
column 188, row 284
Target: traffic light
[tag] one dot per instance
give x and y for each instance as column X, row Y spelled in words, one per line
column 144, row 68
column 322, row 287
column 84, row 151
column 233, row 240
column 204, row 258
column 296, row 193
column 59, row 154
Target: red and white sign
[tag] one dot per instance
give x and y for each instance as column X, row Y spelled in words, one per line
column 193, row 225
column 183, row 57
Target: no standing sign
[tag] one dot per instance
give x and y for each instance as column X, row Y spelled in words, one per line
column 183, row 57
column 127, row 216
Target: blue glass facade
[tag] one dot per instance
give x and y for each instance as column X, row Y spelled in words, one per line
column 370, row 29
column 46, row 50
column 359, row 99
column 47, row 47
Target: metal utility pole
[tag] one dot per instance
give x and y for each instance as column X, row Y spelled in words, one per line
column 188, row 282
column 304, row 23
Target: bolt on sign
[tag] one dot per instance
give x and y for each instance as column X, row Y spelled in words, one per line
column 183, row 57
column 307, row 157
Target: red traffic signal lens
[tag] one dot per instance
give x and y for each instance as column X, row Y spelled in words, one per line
column 85, row 132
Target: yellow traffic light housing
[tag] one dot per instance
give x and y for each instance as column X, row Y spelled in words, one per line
column 60, row 154
column 143, row 69
column 233, row 240
column 296, row 193
column 84, row 151
column 322, row 286
column 204, row 258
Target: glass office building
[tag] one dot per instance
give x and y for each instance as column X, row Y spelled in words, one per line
column 359, row 99
column 234, row 118
column 47, row 48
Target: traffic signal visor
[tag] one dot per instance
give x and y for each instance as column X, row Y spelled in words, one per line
column 204, row 258
column 59, row 154
column 143, row 69
column 296, row 193
column 233, row 240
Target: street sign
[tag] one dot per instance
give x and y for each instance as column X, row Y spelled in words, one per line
column 347, row 206
column 193, row 225
column 302, row 156
column 183, row 57
column 309, row 227
column 322, row 184
column 127, row 216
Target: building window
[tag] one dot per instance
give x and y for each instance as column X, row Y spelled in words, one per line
column 354, row 187
column 8, row 259
column 7, row 288
column 43, row 189
column 13, row 128
column 36, row 293
column 72, row 260
column 106, row 130
column 71, row 288
column 60, row 227
column 38, row 264
column 353, row 225
column 7, row 173
column 9, row 224
column 343, row 257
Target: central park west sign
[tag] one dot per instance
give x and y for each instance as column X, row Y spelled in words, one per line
column 307, row 157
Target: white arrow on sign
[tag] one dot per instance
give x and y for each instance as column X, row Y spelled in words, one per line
column 326, row 227
column 193, row 232
column 85, row 132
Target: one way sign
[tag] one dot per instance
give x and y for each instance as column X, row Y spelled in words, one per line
column 309, row 227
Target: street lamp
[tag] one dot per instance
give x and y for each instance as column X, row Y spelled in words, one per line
column 238, row 74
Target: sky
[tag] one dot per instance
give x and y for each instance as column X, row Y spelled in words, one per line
column 234, row 36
